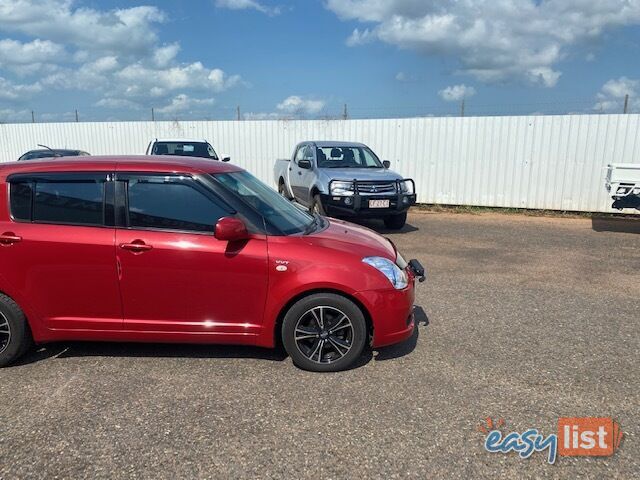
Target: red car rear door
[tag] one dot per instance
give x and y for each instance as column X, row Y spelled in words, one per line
column 62, row 256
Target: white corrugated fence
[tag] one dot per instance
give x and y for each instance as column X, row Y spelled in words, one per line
column 540, row 162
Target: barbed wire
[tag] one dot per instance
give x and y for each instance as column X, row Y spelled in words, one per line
column 466, row 107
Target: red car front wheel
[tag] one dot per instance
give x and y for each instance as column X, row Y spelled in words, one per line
column 324, row 332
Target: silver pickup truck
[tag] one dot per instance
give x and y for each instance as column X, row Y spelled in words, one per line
column 345, row 179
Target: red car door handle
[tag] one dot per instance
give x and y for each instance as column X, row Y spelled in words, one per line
column 9, row 238
column 137, row 246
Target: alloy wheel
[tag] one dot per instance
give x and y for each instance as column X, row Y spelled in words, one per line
column 5, row 332
column 324, row 334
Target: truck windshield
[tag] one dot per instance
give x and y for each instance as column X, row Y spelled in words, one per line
column 185, row 149
column 347, row 157
column 280, row 212
column 35, row 154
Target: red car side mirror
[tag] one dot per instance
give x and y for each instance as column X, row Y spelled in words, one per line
column 231, row 229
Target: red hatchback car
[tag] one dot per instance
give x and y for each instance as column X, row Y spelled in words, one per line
column 158, row 249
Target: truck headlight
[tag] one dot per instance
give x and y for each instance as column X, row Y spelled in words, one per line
column 341, row 188
column 394, row 274
column 406, row 186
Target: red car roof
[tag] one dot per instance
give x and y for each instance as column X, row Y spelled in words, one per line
column 137, row 163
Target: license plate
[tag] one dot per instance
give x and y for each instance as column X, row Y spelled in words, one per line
column 378, row 203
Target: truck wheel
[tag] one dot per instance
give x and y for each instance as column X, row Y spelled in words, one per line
column 282, row 190
column 324, row 332
column 395, row 222
column 15, row 336
column 316, row 206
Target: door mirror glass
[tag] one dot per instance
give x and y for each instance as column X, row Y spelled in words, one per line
column 305, row 163
column 231, row 229
column 386, row 163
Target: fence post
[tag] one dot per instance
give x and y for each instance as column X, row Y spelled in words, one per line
column 626, row 103
column 33, row 117
column 462, row 108
column 238, row 112
column 153, row 115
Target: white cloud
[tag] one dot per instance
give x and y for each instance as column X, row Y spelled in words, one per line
column 57, row 117
column 543, row 76
column 12, row 91
column 184, row 104
column 163, row 56
column 263, row 116
column 120, row 30
column 455, row 93
column 611, row 97
column 298, row 105
column 113, row 53
column 290, row 108
column 358, row 37
column 248, row 4
column 30, row 58
column 493, row 40
column 117, row 103
column 10, row 115
column 13, row 52
column 621, row 87
column 406, row 77
column 137, row 80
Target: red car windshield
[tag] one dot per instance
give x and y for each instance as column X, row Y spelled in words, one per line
column 278, row 211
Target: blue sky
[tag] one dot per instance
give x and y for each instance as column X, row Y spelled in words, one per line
column 116, row 59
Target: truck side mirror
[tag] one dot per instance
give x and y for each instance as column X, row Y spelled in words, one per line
column 305, row 163
column 386, row 164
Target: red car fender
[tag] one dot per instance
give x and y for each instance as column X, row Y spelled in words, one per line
column 282, row 296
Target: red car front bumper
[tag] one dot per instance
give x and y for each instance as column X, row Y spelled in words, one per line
column 391, row 313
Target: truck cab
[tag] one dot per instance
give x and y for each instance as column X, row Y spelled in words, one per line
column 345, row 179
column 184, row 148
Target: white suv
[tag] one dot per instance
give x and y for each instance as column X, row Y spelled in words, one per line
column 185, row 148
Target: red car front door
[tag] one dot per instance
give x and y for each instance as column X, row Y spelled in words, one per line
column 177, row 281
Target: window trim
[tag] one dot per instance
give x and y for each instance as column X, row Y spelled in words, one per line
column 52, row 177
column 300, row 149
column 215, row 154
column 10, row 210
column 122, row 201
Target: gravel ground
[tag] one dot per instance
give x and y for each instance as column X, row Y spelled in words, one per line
column 524, row 319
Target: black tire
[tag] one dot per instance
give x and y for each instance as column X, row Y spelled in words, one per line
column 301, row 321
column 395, row 222
column 15, row 336
column 282, row 190
column 316, row 206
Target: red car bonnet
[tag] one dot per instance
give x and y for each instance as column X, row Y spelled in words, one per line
column 351, row 238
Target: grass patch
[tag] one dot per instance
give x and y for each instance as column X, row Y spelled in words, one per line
column 424, row 207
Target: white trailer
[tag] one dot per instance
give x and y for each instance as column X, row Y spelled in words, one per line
column 623, row 183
